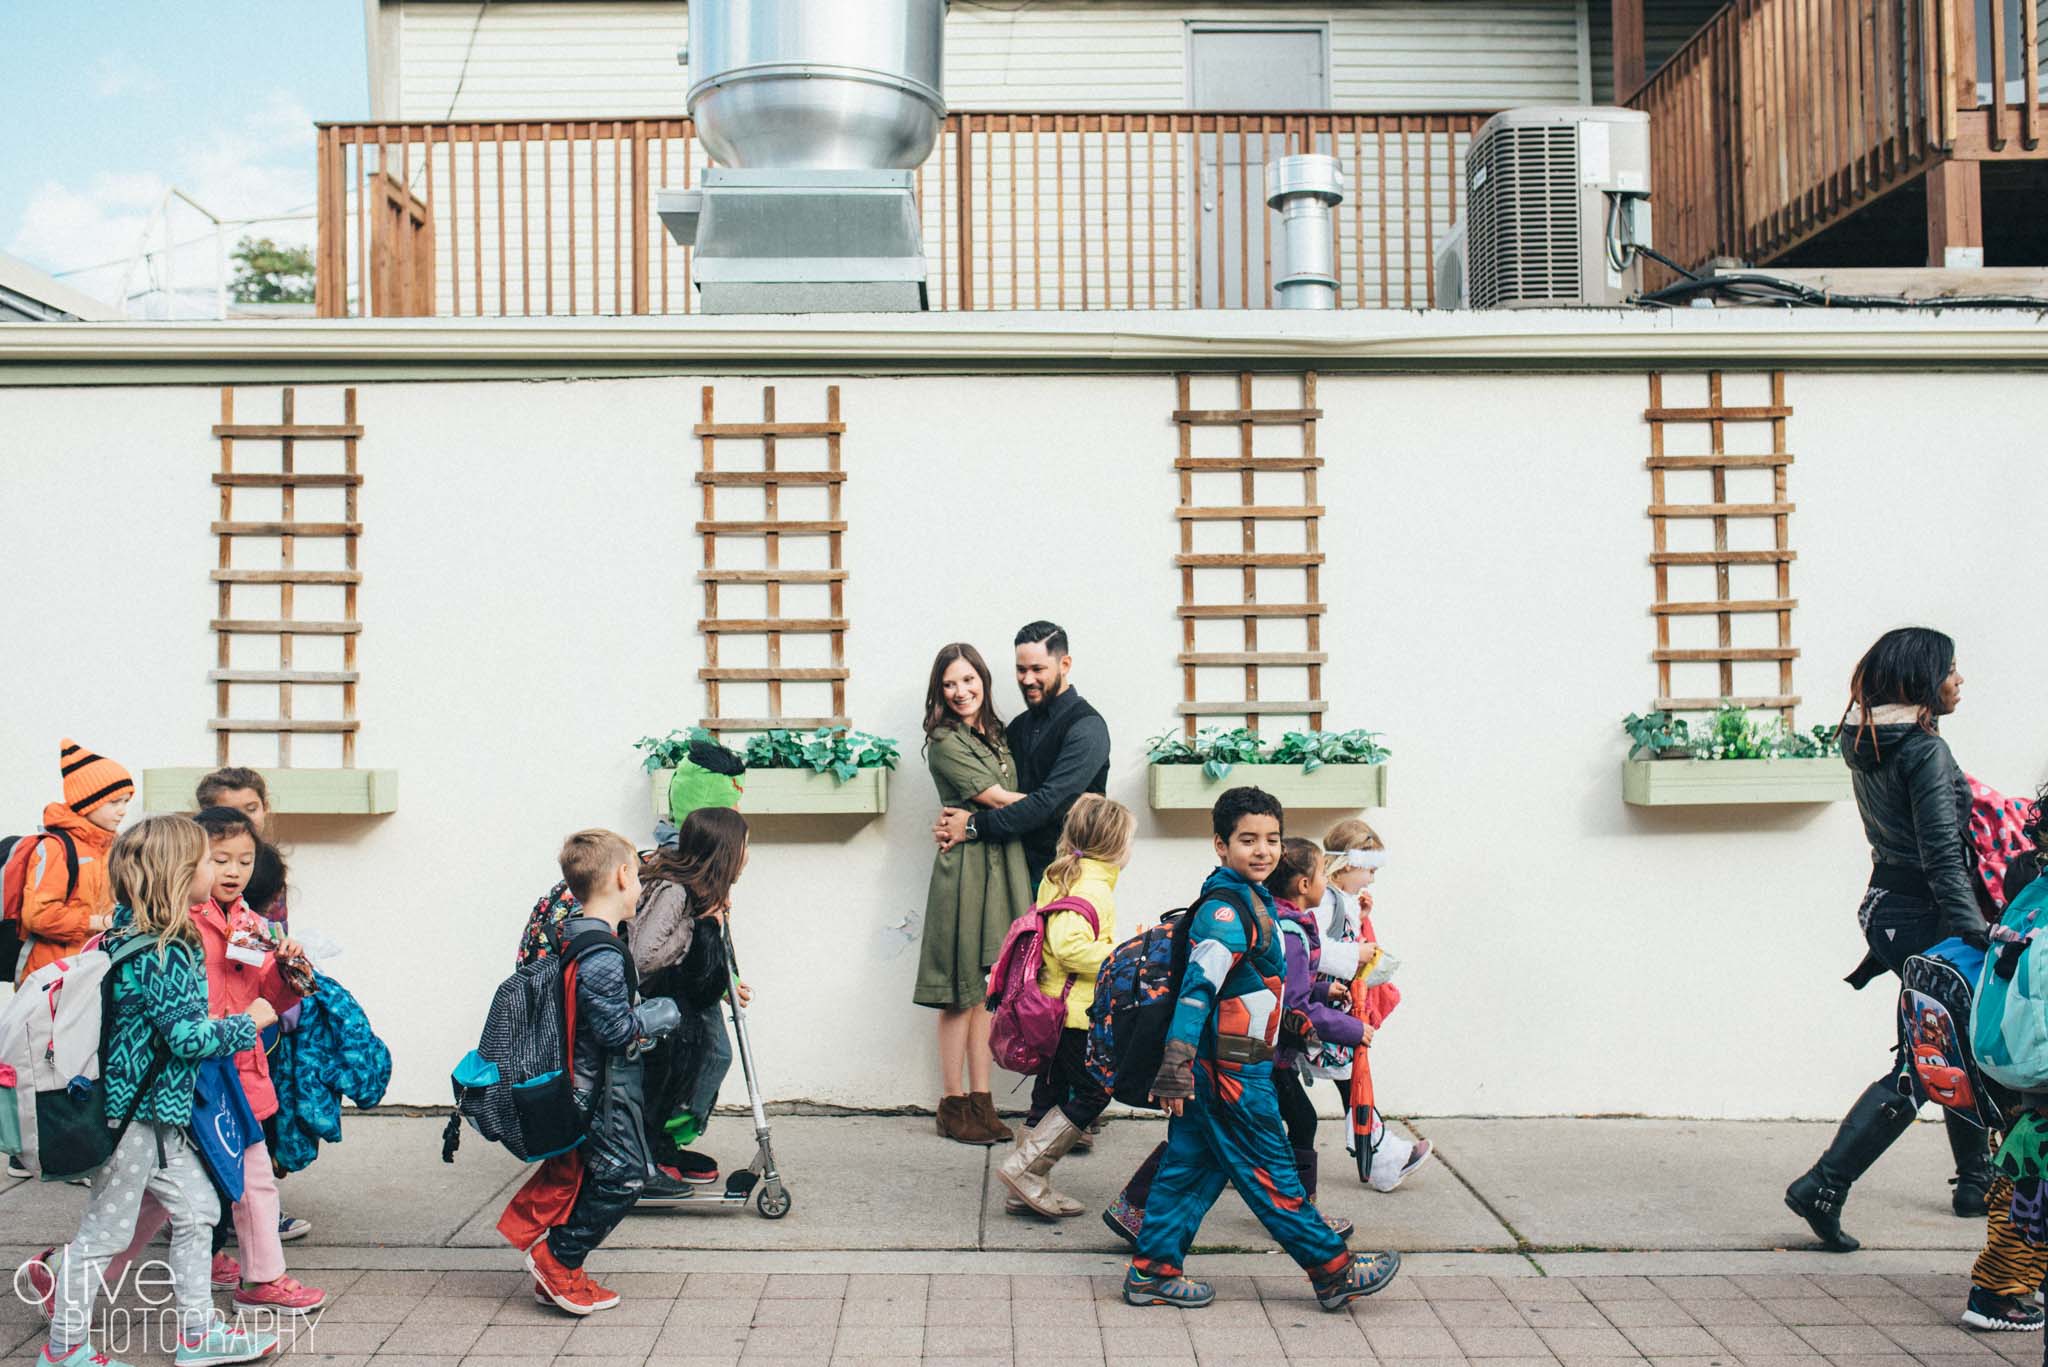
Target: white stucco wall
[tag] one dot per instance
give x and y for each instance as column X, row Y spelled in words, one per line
column 530, row 612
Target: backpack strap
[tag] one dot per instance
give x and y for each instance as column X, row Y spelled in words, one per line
column 70, row 861
column 580, row 945
column 1080, row 906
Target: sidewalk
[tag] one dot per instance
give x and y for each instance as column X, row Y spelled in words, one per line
column 1531, row 1242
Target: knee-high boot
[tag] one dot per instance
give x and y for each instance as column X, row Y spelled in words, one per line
column 1972, row 1150
column 1878, row 1117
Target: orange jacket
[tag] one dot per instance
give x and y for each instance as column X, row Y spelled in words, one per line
column 53, row 925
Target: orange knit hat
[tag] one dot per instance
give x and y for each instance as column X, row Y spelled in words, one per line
column 90, row 780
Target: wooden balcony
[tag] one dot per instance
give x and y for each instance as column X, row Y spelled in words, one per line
column 1783, row 129
column 1042, row 210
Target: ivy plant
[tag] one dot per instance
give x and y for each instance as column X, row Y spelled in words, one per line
column 669, row 751
column 1217, row 749
column 1731, row 733
column 832, row 750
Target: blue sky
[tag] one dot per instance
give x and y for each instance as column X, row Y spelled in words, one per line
column 108, row 103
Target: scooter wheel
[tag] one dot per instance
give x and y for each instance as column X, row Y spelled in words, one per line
column 773, row 1202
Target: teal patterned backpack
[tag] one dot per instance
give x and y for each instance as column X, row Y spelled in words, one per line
column 2009, row 1024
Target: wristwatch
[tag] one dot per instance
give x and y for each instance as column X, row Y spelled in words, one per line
column 972, row 834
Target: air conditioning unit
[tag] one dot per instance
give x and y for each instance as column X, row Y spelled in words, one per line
column 1554, row 197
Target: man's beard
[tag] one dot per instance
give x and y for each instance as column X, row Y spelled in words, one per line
column 1045, row 699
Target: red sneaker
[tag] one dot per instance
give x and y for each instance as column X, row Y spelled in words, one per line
column 284, row 1294
column 227, row 1273
column 40, row 1275
column 601, row 1297
column 565, row 1287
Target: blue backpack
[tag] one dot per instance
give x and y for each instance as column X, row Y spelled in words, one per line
column 2009, row 1030
column 223, row 1126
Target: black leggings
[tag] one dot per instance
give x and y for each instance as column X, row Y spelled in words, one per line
column 1297, row 1112
column 1067, row 1084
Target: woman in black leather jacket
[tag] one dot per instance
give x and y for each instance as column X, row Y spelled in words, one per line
column 1915, row 806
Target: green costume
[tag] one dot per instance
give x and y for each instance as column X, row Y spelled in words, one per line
column 978, row 887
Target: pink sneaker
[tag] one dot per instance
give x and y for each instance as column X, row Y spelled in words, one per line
column 227, row 1273
column 41, row 1279
column 283, row 1294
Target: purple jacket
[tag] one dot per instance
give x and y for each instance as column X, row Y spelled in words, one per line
column 1305, row 993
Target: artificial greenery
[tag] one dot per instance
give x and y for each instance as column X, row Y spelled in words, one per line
column 1731, row 733
column 1216, row 749
column 827, row 750
column 832, row 750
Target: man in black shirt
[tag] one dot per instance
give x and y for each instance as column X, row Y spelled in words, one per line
column 1061, row 746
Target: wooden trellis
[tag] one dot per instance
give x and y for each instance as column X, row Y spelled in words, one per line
column 1717, row 417
column 1248, row 512
column 285, row 575
column 773, row 529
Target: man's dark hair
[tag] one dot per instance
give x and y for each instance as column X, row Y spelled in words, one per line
column 1238, row 803
column 1051, row 634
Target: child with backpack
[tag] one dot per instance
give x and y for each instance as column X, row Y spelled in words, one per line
column 1317, row 1010
column 1215, row 1082
column 679, row 953
column 1078, row 900
column 612, row 1027
column 65, row 898
column 158, row 1033
column 1353, row 855
column 259, row 1280
column 243, row 790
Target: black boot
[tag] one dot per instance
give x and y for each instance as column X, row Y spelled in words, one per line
column 1305, row 1164
column 1972, row 1150
column 1878, row 1117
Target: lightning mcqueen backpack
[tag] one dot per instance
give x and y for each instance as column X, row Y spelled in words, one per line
column 1936, row 993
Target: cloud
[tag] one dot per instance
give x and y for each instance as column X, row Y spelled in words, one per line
column 116, row 74
column 256, row 164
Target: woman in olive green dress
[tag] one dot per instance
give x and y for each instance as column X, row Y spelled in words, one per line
column 978, row 887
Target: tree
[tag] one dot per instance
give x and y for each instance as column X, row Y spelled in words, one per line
column 266, row 273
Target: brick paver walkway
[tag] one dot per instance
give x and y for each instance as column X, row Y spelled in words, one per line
column 713, row 1319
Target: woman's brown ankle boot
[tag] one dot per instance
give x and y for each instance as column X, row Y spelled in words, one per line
column 988, row 1122
column 956, row 1120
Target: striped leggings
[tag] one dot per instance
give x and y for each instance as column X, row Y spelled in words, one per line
column 2008, row 1266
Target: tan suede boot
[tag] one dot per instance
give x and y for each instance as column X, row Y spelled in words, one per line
column 1025, row 1171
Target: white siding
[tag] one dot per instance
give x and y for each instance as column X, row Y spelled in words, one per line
column 617, row 57
column 533, row 60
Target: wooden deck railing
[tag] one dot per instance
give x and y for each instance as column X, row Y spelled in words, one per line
column 1047, row 210
column 1781, row 116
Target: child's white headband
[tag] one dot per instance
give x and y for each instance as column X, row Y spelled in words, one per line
column 1365, row 859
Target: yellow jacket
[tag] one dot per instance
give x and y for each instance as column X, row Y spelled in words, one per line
column 1068, row 946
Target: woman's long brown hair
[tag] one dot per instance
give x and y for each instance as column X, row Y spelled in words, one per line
column 938, row 714
column 705, row 861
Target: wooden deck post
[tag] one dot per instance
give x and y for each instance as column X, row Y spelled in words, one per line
column 1631, row 67
column 1955, row 214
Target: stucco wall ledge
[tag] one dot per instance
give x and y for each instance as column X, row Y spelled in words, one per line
column 1577, row 340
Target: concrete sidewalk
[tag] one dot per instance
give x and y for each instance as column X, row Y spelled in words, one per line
column 1590, row 1208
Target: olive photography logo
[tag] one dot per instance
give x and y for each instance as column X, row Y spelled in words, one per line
column 138, row 1311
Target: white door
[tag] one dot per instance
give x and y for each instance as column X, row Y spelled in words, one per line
column 1242, row 69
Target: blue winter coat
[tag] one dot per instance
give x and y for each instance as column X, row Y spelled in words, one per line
column 333, row 1053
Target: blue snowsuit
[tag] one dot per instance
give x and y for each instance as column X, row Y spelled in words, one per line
column 1230, row 1130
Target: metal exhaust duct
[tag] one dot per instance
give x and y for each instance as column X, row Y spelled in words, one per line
column 818, row 113
column 1304, row 188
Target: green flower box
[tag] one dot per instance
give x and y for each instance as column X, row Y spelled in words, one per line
column 789, row 792
column 293, row 792
column 1733, row 782
column 1331, row 787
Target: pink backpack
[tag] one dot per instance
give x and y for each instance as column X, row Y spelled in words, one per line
column 1027, row 1024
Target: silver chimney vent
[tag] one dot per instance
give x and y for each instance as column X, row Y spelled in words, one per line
column 818, row 113
column 1304, row 188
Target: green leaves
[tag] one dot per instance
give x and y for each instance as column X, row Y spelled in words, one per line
column 837, row 751
column 1731, row 733
column 669, row 751
column 1217, row 750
